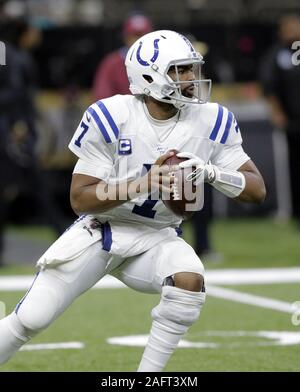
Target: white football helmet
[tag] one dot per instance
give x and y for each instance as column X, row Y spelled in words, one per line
column 149, row 59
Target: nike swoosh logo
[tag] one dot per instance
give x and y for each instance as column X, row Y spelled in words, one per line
column 88, row 117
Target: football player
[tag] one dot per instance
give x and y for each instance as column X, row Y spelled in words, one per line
column 129, row 234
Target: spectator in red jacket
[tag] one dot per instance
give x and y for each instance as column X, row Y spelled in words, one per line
column 111, row 77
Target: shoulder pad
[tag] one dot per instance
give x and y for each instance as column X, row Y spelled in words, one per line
column 108, row 115
column 223, row 124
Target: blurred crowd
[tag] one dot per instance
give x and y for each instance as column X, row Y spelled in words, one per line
column 83, row 64
column 25, row 192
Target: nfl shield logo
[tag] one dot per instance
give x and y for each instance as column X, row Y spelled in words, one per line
column 125, row 147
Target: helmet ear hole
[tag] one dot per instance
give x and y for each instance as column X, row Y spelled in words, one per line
column 148, row 78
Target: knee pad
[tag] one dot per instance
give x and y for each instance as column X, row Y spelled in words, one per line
column 178, row 306
column 39, row 308
column 17, row 328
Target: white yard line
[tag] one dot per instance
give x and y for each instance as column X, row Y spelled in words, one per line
column 253, row 276
column 52, row 346
column 250, row 299
column 273, row 338
column 218, row 277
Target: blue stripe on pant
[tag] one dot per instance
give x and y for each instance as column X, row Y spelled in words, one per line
column 106, row 236
column 22, row 300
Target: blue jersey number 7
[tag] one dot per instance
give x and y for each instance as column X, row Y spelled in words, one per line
column 85, row 128
column 146, row 209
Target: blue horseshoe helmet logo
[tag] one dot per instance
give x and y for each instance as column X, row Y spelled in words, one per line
column 153, row 58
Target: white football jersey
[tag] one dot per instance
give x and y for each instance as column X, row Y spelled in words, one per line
column 117, row 137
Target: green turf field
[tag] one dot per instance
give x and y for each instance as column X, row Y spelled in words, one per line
column 233, row 328
column 101, row 314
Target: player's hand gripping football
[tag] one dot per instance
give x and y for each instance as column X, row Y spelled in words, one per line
column 160, row 177
column 202, row 172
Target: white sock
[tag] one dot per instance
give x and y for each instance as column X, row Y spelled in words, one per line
column 12, row 336
column 176, row 312
column 160, row 347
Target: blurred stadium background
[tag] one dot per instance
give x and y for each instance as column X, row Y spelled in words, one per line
column 259, row 242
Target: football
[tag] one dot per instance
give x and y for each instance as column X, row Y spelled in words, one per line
column 184, row 192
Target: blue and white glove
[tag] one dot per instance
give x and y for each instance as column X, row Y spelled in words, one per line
column 230, row 182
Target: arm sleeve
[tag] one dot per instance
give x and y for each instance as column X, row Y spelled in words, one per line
column 229, row 153
column 88, row 169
